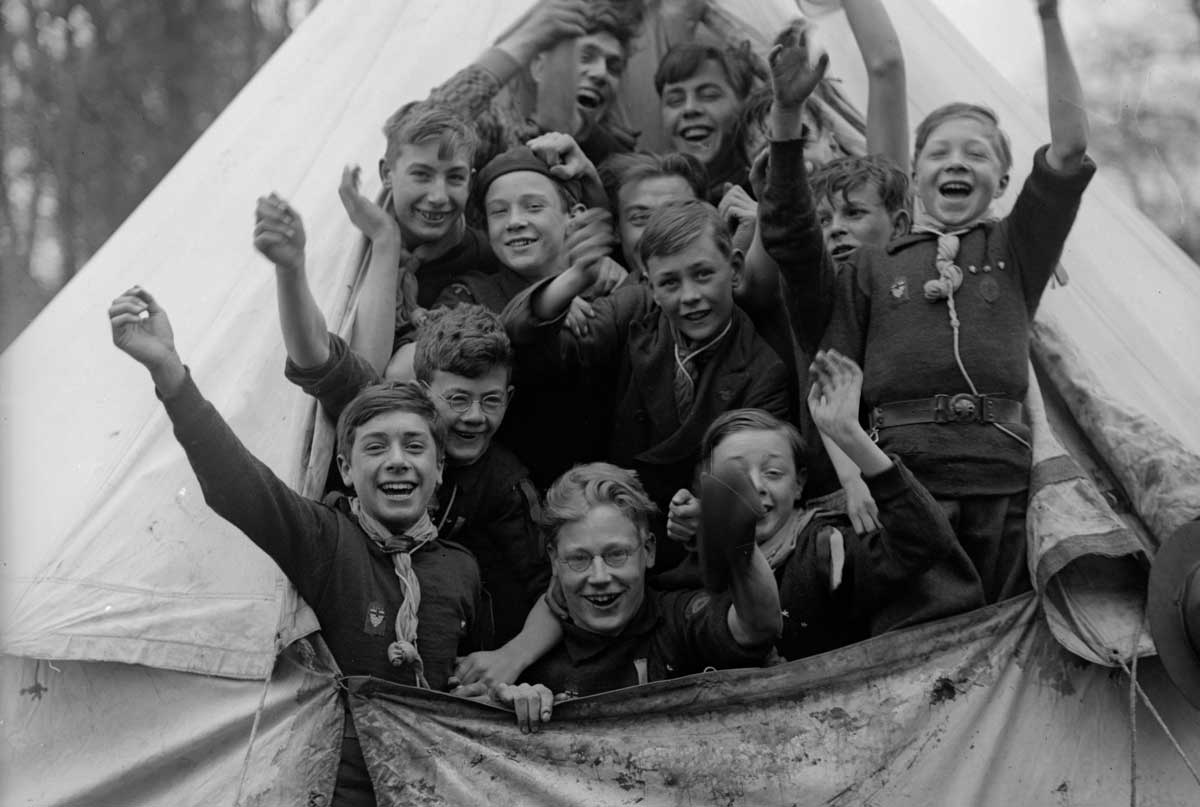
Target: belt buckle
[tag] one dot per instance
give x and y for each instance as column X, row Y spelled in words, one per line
column 964, row 408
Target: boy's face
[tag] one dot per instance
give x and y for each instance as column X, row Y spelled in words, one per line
column 429, row 190
column 766, row 455
column 858, row 218
column 601, row 61
column 958, row 173
column 637, row 200
column 694, row 288
column 602, row 598
column 483, row 402
column 699, row 113
column 527, row 223
column 393, row 467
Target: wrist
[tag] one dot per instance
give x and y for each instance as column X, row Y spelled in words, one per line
column 787, row 122
column 289, row 270
column 169, row 375
column 520, row 48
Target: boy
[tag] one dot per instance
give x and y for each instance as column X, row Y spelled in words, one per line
column 939, row 320
column 464, row 359
column 361, row 562
column 861, row 202
column 702, row 88
column 675, row 352
column 599, row 35
column 837, row 587
column 618, row 632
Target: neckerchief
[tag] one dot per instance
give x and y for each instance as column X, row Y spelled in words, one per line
column 411, row 261
column 687, row 368
column 950, row 274
column 400, row 547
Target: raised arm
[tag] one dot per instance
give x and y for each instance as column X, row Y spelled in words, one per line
column 279, row 236
column 887, row 91
column 1064, row 95
column 375, row 317
column 590, row 241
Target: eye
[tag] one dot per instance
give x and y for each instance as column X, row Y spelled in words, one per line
column 457, row 178
column 673, row 99
column 615, row 66
column 419, row 175
column 773, row 474
column 373, row 447
column 535, row 206
column 704, row 274
column 825, row 219
column 578, row 561
column 711, row 94
column 617, row 557
column 667, row 283
column 492, row 403
column 414, row 446
column 638, row 219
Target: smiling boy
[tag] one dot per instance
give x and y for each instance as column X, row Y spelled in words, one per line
column 675, row 352
column 364, row 562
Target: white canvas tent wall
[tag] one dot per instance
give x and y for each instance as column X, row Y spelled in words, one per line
column 112, row 560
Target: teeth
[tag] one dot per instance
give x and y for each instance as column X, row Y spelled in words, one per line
column 603, row 599
column 432, row 217
column 695, row 133
column 397, row 488
column 521, row 242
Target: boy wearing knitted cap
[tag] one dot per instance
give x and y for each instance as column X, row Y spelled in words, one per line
column 393, row 599
column 939, row 319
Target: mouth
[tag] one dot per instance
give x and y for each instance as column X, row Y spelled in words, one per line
column 842, row 251
column 520, row 243
column 955, row 189
column 467, row 437
column 696, row 316
column 432, row 217
column 398, row 491
column 603, row 602
column 589, row 98
column 696, row 133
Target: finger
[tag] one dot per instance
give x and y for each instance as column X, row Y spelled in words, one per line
column 470, row 690
column 773, row 56
column 151, row 304
column 546, row 703
column 122, row 320
column 521, row 706
column 681, row 497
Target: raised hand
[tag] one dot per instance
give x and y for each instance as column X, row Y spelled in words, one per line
column 683, row 517
column 141, row 329
column 371, row 220
column 561, row 154
column 740, row 214
column 793, row 79
column 835, row 394
column 548, row 23
column 533, row 703
column 279, row 233
column 589, row 240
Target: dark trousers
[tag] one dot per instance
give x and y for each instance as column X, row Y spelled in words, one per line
column 991, row 529
column 353, row 786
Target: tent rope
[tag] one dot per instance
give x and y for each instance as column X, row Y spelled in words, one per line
column 262, row 703
column 1137, row 638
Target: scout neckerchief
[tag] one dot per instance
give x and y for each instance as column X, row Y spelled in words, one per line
column 687, row 369
column 411, row 261
column 400, row 547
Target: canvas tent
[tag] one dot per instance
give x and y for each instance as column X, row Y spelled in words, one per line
column 151, row 652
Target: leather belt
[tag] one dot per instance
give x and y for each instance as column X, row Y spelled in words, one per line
column 961, row 408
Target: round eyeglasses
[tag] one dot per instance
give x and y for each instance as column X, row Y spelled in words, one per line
column 614, row 558
column 489, row 404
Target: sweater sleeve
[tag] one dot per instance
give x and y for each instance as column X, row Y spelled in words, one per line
column 698, row 625
column 1041, row 219
column 915, row 533
column 299, row 534
column 336, row 382
column 848, row 326
column 791, row 235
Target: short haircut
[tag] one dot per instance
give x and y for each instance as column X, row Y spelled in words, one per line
column 620, row 170
column 466, row 340
column 422, row 122
column 584, row 488
column 620, row 19
column 379, row 399
column 839, row 177
column 751, row 420
column 960, row 109
column 743, row 70
column 676, row 226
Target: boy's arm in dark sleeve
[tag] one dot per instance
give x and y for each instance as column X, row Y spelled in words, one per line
column 915, row 533
column 336, row 382
column 769, row 389
column 299, row 534
column 792, row 237
column 847, row 332
column 1041, row 219
column 470, row 91
column 698, row 622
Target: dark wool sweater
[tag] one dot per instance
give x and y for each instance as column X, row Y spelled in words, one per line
column 905, row 343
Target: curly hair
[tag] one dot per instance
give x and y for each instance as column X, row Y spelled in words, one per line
column 584, row 488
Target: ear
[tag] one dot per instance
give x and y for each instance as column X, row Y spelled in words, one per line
column 1001, row 186
column 737, row 261
column 385, row 173
column 343, row 465
column 650, row 548
column 901, row 223
column 576, row 209
column 537, row 68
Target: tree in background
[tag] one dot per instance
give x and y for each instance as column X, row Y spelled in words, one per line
column 98, row 99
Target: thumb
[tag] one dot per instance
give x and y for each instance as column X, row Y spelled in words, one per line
column 560, row 172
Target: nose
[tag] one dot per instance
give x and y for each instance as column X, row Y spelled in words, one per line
column 397, row 458
column 837, row 227
column 474, row 413
column 690, row 292
column 436, row 192
column 756, row 479
column 596, row 70
column 598, row 572
column 690, row 107
column 516, row 218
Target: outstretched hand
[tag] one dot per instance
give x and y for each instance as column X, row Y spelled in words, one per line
column 835, row 394
column 371, row 220
column 589, row 240
column 141, row 329
column 279, row 233
column 793, row 79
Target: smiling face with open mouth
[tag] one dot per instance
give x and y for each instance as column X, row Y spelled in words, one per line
column 527, row 223
column 603, row 598
column 429, row 183
column 601, row 62
column 959, row 171
column 470, row 432
column 394, row 467
column 700, row 113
